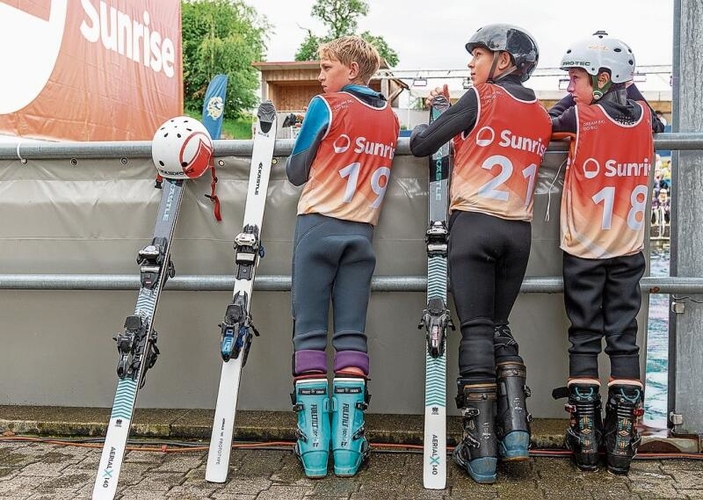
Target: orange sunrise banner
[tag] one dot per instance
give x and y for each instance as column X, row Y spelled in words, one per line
column 89, row 70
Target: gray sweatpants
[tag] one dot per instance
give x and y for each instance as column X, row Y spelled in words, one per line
column 332, row 260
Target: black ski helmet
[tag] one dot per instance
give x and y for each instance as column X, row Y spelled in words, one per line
column 514, row 40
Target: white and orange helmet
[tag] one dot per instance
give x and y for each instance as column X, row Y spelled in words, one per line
column 182, row 148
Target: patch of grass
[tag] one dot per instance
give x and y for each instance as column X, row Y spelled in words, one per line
column 239, row 128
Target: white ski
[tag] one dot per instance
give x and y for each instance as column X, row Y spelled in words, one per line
column 237, row 327
column 436, row 317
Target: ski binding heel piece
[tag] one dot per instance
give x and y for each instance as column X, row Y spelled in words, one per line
column 151, row 260
column 247, row 248
column 436, row 319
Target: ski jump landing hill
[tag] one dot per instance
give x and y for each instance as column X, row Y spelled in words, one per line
column 74, row 216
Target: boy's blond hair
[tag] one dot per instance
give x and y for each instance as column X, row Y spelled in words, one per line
column 349, row 49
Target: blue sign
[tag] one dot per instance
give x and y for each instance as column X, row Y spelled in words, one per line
column 214, row 105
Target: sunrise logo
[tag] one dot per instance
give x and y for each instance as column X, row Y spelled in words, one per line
column 485, row 137
column 27, row 64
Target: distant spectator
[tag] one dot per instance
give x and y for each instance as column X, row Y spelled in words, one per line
column 660, row 115
column 661, row 207
column 666, row 173
column 659, row 182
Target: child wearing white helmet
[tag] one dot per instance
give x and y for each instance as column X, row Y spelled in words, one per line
column 602, row 224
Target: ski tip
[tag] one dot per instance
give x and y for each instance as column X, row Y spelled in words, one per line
column 440, row 101
column 439, row 105
column 267, row 112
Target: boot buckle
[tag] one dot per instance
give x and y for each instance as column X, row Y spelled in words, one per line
column 470, row 412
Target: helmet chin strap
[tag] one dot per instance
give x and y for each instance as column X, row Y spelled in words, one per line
column 616, row 93
column 599, row 91
column 494, row 65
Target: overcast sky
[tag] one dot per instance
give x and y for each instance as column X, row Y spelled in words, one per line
column 429, row 39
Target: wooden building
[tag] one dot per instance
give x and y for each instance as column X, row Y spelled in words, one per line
column 291, row 85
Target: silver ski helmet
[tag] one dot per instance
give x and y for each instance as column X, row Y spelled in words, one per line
column 514, row 40
column 182, row 148
column 598, row 52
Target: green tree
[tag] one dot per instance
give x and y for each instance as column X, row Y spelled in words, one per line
column 222, row 36
column 340, row 18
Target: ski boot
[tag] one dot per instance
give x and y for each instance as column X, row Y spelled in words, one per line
column 513, row 420
column 311, row 403
column 477, row 453
column 622, row 412
column 583, row 437
column 349, row 445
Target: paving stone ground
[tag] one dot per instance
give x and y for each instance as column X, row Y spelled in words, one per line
column 32, row 467
column 31, row 470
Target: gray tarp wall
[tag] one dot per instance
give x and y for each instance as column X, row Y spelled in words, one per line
column 91, row 216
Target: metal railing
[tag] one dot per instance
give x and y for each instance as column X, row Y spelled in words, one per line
column 26, row 150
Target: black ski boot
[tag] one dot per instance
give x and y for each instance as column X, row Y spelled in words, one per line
column 513, row 420
column 583, row 437
column 477, row 453
column 622, row 413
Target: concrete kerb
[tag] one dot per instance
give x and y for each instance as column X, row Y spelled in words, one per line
column 257, row 426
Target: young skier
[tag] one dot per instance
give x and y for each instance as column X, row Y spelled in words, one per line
column 500, row 133
column 603, row 211
column 343, row 155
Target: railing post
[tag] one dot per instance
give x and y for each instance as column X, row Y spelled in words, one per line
column 685, row 399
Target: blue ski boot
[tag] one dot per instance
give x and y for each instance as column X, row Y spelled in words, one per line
column 311, row 403
column 622, row 413
column 513, row 420
column 349, row 445
column 477, row 452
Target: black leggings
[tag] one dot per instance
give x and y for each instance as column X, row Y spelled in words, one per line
column 487, row 263
column 602, row 299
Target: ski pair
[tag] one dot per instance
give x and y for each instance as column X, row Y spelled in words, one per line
column 137, row 344
column 436, row 317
